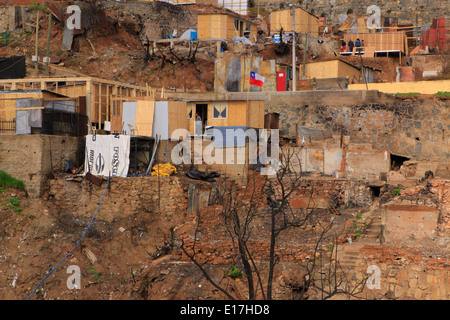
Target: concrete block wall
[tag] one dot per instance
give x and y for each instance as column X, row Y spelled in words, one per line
column 32, row 158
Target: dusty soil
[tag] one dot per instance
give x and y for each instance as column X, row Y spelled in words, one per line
column 128, row 265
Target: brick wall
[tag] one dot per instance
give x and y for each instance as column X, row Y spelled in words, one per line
column 31, row 157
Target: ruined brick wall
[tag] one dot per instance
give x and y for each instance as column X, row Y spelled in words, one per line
column 335, row 193
column 124, row 198
column 418, row 129
column 155, row 20
column 407, row 11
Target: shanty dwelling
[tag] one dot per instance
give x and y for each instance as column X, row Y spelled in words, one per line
column 225, row 26
column 151, row 125
column 94, row 94
column 232, row 73
column 40, row 112
column 224, row 125
column 170, row 124
column 392, row 43
column 326, row 75
column 238, row 6
column 305, row 22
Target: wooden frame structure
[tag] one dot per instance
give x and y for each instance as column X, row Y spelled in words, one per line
column 8, row 101
column 98, row 92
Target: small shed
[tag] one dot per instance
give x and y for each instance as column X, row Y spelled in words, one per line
column 305, row 22
column 224, row 25
column 332, row 69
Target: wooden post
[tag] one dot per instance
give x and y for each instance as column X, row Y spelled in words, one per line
column 107, row 103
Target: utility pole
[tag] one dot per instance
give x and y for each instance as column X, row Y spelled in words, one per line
column 48, row 40
column 294, row 67
column 37, row 38
column 304, row 56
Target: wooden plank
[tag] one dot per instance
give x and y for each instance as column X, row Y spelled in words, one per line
column 144, row 117
column 177, row 116
column 30, row 108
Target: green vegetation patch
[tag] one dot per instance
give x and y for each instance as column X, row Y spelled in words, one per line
column 8, row 181
column 443, row 94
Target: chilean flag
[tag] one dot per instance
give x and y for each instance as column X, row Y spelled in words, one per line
column 256, row 79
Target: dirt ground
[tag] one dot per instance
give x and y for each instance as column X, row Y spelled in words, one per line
column 115, row 264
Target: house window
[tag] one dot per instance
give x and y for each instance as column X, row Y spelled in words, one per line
column 236, row 24
column 220, row 110
column 190, row 108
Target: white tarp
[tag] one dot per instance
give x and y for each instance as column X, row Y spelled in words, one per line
column 161, row 120
column 129, row 117
column 107, row 155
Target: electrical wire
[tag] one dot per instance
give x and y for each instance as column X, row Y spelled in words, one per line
column 107, row 184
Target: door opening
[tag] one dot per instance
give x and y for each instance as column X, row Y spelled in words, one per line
column 201, row 110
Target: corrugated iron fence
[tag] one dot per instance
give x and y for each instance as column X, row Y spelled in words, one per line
column 8, row 126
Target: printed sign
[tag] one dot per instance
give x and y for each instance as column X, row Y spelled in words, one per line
column 107, row 155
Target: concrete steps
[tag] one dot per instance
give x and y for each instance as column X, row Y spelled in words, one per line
column 349, row 254
column 372, row 234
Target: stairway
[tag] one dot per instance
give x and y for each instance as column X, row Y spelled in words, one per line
column 349, row 254
column 373, row 232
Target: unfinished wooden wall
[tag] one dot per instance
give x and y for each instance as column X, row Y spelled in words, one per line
column 144, row 117
column 239, row 113
column 177, row 116
column 213, row 26
column 304, row 22
column 98, row 92
column 380, row 41
column 223, row 26
column 8, row 103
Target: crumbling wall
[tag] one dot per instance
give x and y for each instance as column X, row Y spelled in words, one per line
column 407, row 11
column 125, row 197
column 335, row 193
column 402, row 275
column 158, row 19
column 414, row 128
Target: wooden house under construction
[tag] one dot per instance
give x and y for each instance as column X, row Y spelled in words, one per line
column 94, row 95
column 377, row 43
column 305, row 22
column 224, row 26
column 41, row 112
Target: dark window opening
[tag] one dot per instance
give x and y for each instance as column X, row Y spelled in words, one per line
column 397, row 162
column 376, row 191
